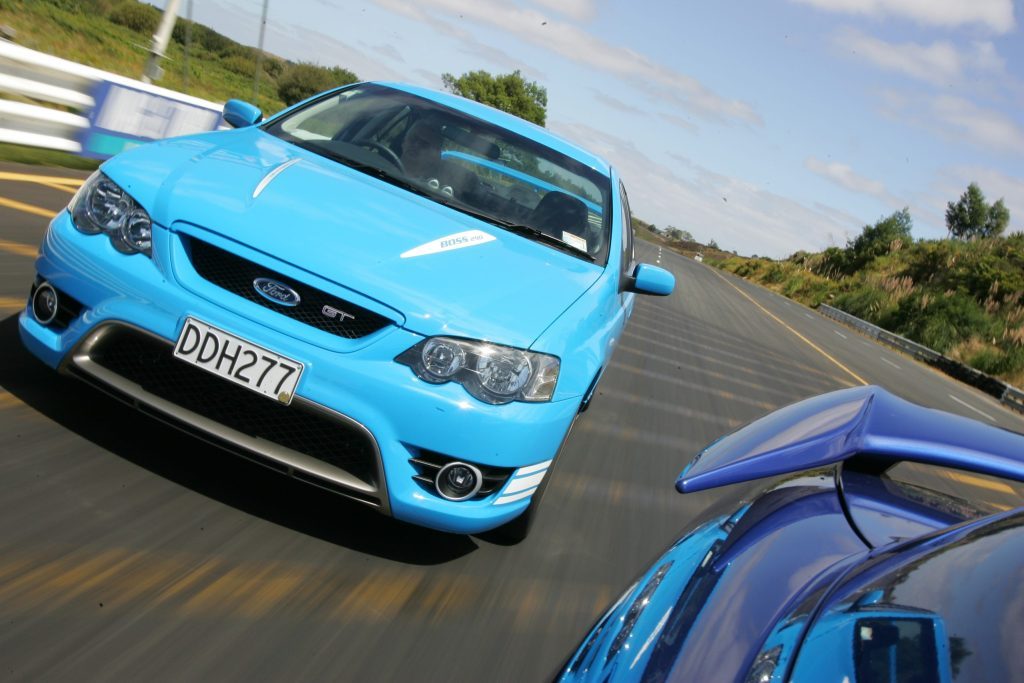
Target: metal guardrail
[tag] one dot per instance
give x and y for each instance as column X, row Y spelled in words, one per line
column 1009, row 395
column 40, row 77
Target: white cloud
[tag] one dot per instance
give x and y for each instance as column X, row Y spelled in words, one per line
column 581, row 10
column 678, row 122
column 956, row 119
column 962, row 119
column 844, row 176
column 997, row 15
column 940, row 63
column 735, row 213
column 615, row 103
column 578, row 46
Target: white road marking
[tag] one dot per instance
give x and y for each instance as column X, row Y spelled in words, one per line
column 965, row 404
column 809, row 316
column 840, row 334
column 866, row 343
column 886, row 360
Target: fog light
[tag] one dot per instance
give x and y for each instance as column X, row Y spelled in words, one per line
column 44, row 304
column 458, row 481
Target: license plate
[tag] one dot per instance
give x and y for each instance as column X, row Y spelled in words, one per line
column 238, row 360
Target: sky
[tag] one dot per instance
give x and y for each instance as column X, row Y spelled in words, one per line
column 769, row 126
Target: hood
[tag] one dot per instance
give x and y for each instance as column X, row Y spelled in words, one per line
column 445, row 272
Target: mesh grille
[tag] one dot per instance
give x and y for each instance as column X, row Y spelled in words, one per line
column 236, row 275
column 150, row 363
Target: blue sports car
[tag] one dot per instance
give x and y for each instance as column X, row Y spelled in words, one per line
column 889, row 547
column 393, row 293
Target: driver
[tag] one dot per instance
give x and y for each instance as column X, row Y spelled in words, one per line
column 421, row 150
column 421, row 159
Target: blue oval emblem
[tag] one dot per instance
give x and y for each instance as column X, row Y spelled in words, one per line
column 275, row 291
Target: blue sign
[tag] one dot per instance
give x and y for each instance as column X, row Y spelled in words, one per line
column 124, row 117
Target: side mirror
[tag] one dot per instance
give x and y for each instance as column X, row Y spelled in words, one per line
column 648, row 279
column 240, row 114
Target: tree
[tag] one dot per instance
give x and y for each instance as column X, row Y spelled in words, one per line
column 304, row 80
column 712, row 244
column 971, row 217
column 508, row 92
column 887, row 234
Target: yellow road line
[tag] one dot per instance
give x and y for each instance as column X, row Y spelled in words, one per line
column 28, row 208
column 800, row 336
column 18, row 249
column 8, row 303
column 41, row 179
column 62, row 188
column 980, row 482
column 8, row 400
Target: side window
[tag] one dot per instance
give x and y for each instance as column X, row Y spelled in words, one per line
column 628, row 255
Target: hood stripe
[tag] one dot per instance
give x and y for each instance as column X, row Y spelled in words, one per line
column 270, row 176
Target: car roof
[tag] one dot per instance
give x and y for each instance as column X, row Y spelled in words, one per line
column 506, row 120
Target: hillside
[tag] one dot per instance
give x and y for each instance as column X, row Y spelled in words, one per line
column 961, row 298
column 114, row 35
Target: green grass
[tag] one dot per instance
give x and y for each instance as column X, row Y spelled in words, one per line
column 80, row 31
column 45, row 157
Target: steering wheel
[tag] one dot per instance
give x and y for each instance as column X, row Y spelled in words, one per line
column 385, row 152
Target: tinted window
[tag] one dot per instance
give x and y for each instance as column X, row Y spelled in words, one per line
column 628, row 255
column 461, row 161
column 934, row 612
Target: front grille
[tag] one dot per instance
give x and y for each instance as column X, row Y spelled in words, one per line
column 429, row 463
column 149, row 363
column 316, row 308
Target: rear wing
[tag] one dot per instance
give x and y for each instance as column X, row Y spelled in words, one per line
column 833, row 427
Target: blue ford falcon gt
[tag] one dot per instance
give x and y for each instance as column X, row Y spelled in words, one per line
column 888, row 548
column 392, row 293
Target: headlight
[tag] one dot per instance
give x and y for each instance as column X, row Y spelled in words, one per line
column 102, row 206
column 494, row 374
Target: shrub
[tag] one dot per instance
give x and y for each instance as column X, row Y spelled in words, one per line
column 240, row 65
column 137, row 17
column 940, row 322
column 865, row 302
column 305, row 80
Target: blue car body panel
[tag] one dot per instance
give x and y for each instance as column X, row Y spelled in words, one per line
column 360, row 239
column 829, row 574
column 866, row 420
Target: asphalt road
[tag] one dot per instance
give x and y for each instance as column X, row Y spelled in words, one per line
column 129, row 551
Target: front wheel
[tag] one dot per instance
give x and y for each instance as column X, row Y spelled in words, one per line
column 516, row 531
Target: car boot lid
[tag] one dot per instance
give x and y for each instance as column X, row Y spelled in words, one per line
column 862, row 421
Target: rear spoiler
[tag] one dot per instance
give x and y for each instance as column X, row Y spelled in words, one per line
column 833, row 427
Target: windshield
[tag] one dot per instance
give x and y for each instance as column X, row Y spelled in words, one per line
column 460, row 161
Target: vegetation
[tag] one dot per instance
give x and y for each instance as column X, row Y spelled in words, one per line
column 45, row 157
column 961, row 297
column 507, row 92
column 304, row 80
column 114, row 35
column 972, row 218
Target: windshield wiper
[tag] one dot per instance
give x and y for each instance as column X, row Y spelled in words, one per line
column 541, row 236
column 525, row 230
column 381, row 174
column 363, row 167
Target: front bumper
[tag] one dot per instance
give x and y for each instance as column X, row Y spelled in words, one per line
column 354, row 383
